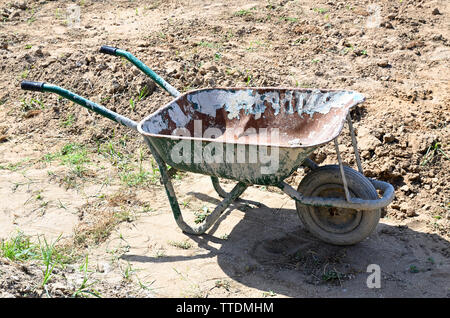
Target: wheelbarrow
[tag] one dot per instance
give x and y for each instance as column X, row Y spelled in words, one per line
column 257, row 136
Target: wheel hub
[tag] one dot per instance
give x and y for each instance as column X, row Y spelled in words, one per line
column 331, row 219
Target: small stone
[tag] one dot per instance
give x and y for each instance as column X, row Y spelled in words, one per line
column 32, row 113
column 22, row 5
column 438, row 37
column 387, row 25
column 58, row 293
column 103, row 268
column 413, row 177
column 89, row 59
column 146, row 87
column 409, row 211
column 173, row 68
column 4, row 138
column 14, row 14
column 14, row 278
column 435, row 11
column 360, row 53
column 383, row 63
column 365, row 154
column 392, row 16
column 209, row 80
column 101, row 67
column 57, row 286
column 29, row 59
column 48, row 61
column 404, row 188
column 208, row 67
column 387, row 138
column 134, row 70
column 70, row 269
column 404, row 207
column 414, row 44
column 39, row 53
column 382, row 152
column 421, row 142
column 197, row 81
column 115, row 87
column 366, row 141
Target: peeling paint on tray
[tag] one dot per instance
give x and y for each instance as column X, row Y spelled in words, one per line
column 178, row 116
column 319, row 102
column 155, row 125
column 251, row 102
column 207, row 102
column 288, row 100
column 259, row 103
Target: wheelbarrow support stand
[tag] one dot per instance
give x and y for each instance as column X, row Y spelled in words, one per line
column 165, row 178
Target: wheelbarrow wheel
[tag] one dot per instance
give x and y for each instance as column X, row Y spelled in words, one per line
column 338, row 226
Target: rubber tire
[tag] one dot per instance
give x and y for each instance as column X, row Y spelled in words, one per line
column 358, row 185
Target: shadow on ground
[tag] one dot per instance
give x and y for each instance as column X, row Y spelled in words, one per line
column 270, row 250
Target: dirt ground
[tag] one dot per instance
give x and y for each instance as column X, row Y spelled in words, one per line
column 80, row 180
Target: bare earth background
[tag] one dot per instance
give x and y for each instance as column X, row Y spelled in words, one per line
column 68, row 173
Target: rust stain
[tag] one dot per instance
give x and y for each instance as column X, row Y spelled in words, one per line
column 302, row 117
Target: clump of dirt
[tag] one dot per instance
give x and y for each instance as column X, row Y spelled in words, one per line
column 19, row 280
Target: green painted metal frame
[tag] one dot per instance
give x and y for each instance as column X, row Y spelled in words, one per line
column 210, row 219
column 144, row 68
column 90, row 105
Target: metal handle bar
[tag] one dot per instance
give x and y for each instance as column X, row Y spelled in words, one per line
column 44, row 87
column 144, row 68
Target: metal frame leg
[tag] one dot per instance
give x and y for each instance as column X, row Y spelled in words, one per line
column 216, row 184
column 341, row 167
column 354, row 143
column 310, row 164
column 211, row 218
column 355, row 149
